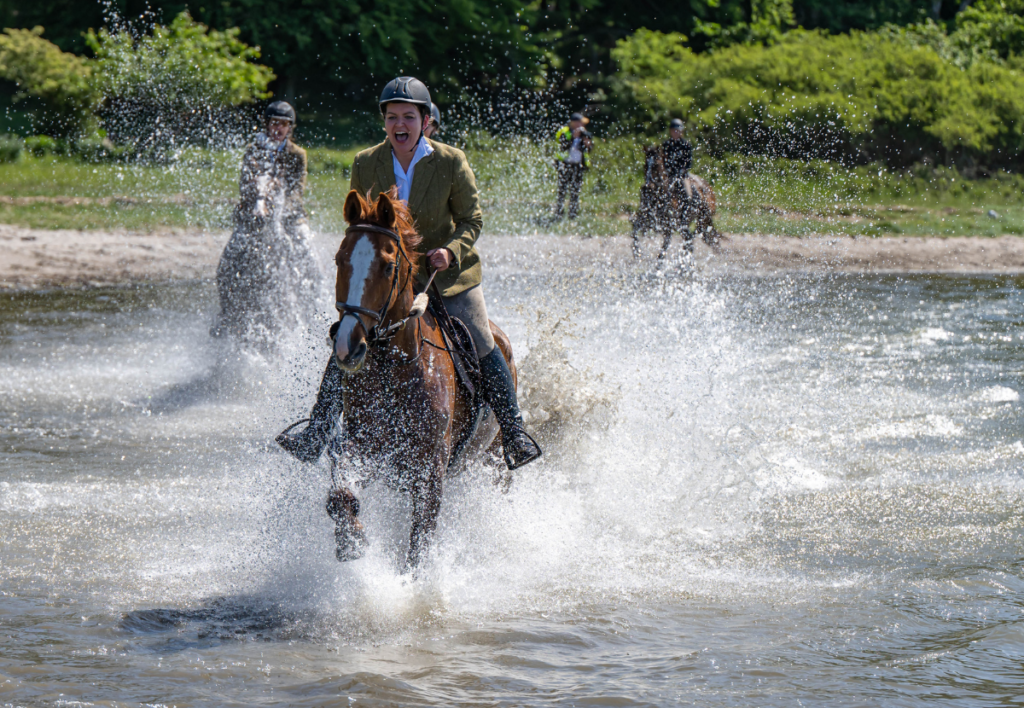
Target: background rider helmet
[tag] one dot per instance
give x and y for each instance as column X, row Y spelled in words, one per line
column 434, row 124
column 280, row 121
column 675, row 129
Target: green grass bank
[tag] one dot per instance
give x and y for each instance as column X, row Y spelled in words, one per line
column 517, row 182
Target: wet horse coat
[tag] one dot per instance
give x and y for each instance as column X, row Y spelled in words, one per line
column 405, row 411
column 665, row 205
column 267, row 273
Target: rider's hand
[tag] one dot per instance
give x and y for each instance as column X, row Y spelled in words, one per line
column 440, row 258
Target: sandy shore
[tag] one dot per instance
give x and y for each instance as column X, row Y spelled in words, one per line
column 37, row 258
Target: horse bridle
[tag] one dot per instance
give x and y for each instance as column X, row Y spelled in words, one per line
column 375, row 334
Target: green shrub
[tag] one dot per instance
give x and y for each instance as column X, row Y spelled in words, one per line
column 327, row 160
column 59, row 81
column 174, row 85
column 856, row 97
column 98, row 148
column 43, row 145
column 11, row 147
column 183, row 66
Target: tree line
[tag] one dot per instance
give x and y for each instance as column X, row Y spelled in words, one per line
column 899, row 81
column 338, row 50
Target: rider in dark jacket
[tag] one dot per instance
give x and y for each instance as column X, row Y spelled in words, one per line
column 677, row 152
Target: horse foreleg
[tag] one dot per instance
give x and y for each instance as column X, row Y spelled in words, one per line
column 426, row 505
column 666, row 242
column 710, row 234
column 636, row 241
column 349, row 534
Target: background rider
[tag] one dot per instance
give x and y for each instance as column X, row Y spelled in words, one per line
column 271, row 184
column 575, row 142
column 274, row 156
column 434, row 124
column 438, row 185
column 677, row 154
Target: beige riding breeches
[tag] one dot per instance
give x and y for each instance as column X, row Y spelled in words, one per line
column 469, row 306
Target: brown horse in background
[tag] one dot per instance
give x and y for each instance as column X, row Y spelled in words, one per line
column 667, row 204
column 406, row 415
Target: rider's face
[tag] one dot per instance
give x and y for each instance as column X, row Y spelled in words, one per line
column 676, row 133
column 403, row 123
column 278, row 130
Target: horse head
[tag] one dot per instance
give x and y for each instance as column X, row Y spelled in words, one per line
column 269, row 192
column 376, row 264
column 654, row 165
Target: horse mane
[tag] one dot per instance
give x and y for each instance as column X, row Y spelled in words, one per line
column 376, row 213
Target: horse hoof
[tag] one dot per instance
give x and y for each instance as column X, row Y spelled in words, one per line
column 341, row 503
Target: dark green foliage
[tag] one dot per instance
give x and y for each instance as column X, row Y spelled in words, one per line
column 182, row 66
column 855, row 97
column 336, row 49
column 172, row 84
column 43, row 145
column 58, row 84
column 844, row 15
column 329, row 53
column 11, row 147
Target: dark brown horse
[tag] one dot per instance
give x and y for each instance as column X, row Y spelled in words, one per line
column 666, row 204
column 406, row 415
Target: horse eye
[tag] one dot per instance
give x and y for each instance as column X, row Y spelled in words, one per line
column 390, row 270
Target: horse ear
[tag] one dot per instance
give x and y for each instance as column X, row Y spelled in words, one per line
column 386, row 215
column 354, row 207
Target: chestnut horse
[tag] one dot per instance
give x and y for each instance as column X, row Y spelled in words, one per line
column 405, row 412
column 665, row 205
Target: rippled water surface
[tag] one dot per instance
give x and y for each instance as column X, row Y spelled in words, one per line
column 768, row 491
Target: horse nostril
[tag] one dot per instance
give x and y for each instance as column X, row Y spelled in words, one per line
column 353, row 358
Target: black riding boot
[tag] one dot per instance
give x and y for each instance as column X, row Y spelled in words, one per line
column 500, row 393
column 309, row 443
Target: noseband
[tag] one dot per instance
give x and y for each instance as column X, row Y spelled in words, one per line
column 375, row 334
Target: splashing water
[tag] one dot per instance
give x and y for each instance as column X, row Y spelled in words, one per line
column 756, row 491
column 734, row 488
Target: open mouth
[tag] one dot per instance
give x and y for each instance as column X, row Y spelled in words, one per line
column 401, row 136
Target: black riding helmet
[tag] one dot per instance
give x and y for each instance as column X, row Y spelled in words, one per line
column 280, row 110
column 407, row 90
column 676, row 124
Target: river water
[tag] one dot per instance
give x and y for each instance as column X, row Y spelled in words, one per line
column 759, row 491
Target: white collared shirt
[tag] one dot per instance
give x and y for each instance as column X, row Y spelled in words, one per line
column 403, row 179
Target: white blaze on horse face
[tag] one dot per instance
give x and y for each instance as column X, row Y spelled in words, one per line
column 361, row 259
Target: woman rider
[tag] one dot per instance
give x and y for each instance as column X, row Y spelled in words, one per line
column 273, row 168
column 435, row 180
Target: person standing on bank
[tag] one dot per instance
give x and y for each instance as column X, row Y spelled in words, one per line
column 435, row 180
column 575, row 142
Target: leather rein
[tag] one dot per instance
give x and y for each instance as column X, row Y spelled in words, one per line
column 375, row 334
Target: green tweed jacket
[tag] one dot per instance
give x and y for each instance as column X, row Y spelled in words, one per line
column 444, row 202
